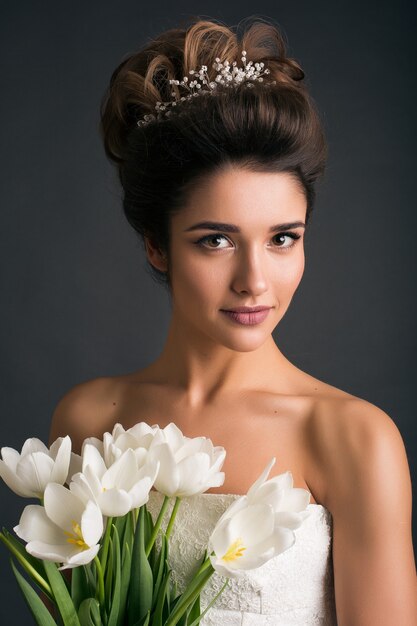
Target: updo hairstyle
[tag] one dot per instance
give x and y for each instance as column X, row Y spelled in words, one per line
column 274, row 128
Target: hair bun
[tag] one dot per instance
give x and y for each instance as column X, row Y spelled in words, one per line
column 142, row 79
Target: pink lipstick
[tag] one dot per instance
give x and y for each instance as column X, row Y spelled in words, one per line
column 248, row 316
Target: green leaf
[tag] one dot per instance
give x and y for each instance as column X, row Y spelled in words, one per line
column 163, row 593
column 141, row 579
column 89, row 612
column 148, row 525
column 144, row 621
column 21, row 548
column 32, row 565
column 189, row 596
column 124, row 585
column 108, row 575
column 62, row 597
column 120, row 523
column 162, row 565
column 80, row 588
column 115, row 600
column 128, row 534
column 195, row 611
column 39, row 611
column 200, row 617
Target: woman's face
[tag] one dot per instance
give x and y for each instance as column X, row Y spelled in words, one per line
column 252, row 254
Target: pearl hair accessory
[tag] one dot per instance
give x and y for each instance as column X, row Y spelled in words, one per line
column 228, row 75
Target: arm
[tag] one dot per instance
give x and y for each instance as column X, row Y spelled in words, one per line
column 369, row 496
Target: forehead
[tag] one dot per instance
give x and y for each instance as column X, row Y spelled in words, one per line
column 244, row 197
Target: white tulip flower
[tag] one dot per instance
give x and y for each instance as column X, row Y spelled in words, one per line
column 189, row 466
column 65, row 530
column 112, row 446
column 116, row 490
column 27, row 473
column 289, row 503
column 259, row 525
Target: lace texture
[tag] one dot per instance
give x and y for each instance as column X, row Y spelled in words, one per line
column 294, row 588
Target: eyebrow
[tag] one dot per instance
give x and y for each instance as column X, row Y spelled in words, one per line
column 231, row 228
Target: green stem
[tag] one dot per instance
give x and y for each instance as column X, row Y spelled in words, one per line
column 135, row 515
column 28, row 567
column 157, row 525
column 173, row 516
column 104, row 554
column 204, row 565
column 187, row 599
column 100, row 579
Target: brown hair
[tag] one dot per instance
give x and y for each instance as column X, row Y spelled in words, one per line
column 274, row 129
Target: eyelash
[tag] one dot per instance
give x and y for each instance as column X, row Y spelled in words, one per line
column 293, row 236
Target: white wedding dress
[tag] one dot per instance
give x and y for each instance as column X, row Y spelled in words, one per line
column 294, row 588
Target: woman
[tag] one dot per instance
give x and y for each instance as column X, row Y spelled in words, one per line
column 220, row 187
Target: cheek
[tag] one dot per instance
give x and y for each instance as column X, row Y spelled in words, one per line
column 290, row 273
column 196, row 278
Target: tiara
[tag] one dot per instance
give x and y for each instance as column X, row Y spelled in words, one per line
column 228, row 75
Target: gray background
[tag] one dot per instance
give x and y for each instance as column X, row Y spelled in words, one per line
column 77, row 302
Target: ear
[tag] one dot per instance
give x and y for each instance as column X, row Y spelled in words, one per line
column 155, row 256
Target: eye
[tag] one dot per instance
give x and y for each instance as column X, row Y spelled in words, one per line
column 208, row 238
column 291, row 236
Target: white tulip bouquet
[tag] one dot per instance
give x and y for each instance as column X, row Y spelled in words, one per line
column 92, row 519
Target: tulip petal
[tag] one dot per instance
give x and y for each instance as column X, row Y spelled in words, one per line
column 253, row 523
column 91, row 456
column 215, row 480
column 121, row 474
column 61, row 453
column 143, row 433
column 190, row 447
column 223, row 570
column 262, row 478
column 193, row 471
column 91, row 524
column 34, row 445
column 126, row 441
column 81, row 488
column 81, row 558
column 92, row 479
column 14, row 483
column 35, row 470
column 233, row 508
column 34, row 524
column 173, row 436
column 95, row 442
column 168, row 476
column 75, row 465
column 296, row 499
column 58, row 553
column 221, row 537
column 219, row 457
column 139, row 493
column 114, row 502
column 11, row 457
column 62, row 506
column 288, row 519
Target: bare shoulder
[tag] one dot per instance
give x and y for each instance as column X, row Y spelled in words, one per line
column 349, row 436
column 360, row 470
column 87, row 409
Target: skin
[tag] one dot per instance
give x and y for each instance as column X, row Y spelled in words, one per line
column 231, row 383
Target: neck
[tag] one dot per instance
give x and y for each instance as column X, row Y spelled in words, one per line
column 202, row 369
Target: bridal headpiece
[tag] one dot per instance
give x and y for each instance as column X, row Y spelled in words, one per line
column 228, row 75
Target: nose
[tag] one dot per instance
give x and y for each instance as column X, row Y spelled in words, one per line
column 251, row 272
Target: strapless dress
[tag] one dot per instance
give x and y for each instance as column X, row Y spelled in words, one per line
column 294, row 588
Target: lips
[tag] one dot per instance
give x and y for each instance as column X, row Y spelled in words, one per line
column 247, row 309
column 248, row 318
